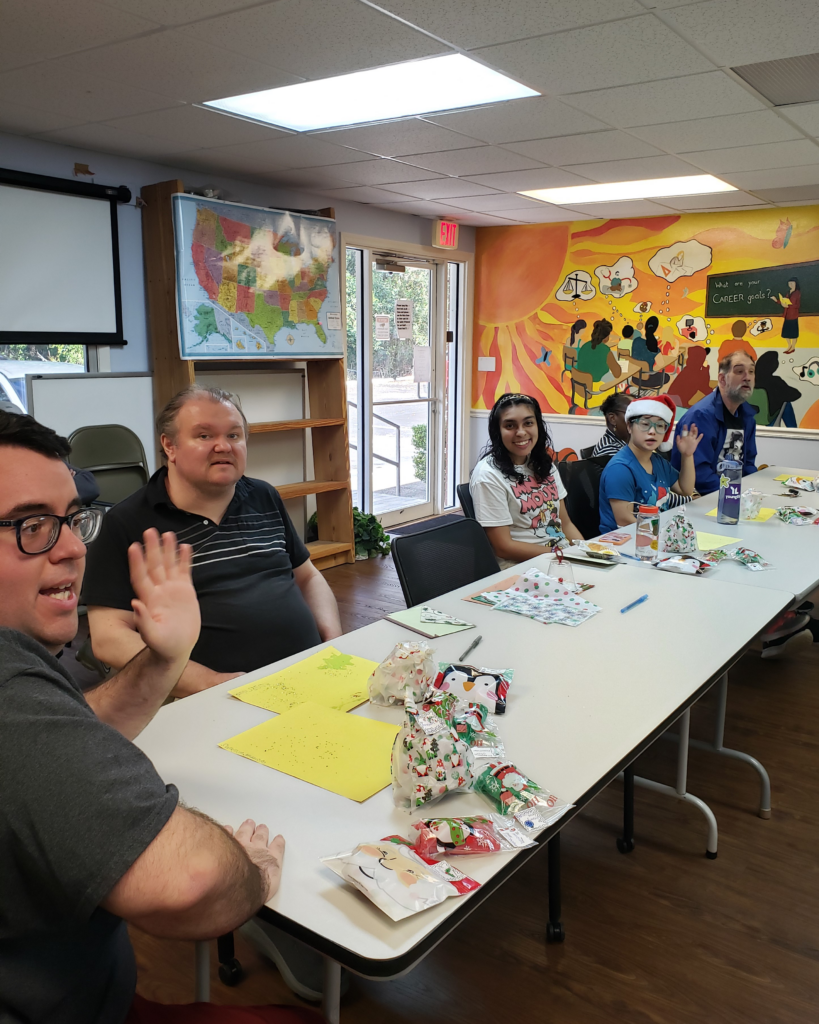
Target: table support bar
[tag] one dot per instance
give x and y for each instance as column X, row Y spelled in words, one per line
column 331, row 996
column 202, row 968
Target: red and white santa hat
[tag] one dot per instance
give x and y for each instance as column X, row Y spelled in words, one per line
column 655, row 405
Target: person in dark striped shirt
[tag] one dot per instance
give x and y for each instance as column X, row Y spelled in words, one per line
column 616, row 435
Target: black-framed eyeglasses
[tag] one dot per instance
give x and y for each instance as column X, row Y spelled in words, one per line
column 38, row 534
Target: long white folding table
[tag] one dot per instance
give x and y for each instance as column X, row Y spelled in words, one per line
column 585, row 702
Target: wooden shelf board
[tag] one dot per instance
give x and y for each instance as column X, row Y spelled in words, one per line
column 323, row 548
column 266, row 428
column 311, row 487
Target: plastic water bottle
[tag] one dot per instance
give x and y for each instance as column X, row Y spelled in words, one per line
column 730, row 490
column 647, row 532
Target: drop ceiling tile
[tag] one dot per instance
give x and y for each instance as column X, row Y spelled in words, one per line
column 719, row 201
column 18, row 119
column 311, row 178
column 361, row 194
column 495, row 203
column 73, row 94
column 484, row 220
column 757, row 158
column 780, row 177
column 632, row 208
column 479, row 160
column 472, row 23
column 575, row 149
column 754, row 128
column 177, row 65
column 177, row 12
column 535, row 117
column 15, row 59
column 48, row 29
column 399, row 138
column 316, row 39
column 105, row 139
column 417, row 209
column 803, row 202
column 674, row 99
column 440, row 188
column 516, row 181
column 282, row 153
column 619, row 53
column 377, row 172
column 806, row 115
column 197, row 127
column 794, row 194
column 634, row 170
column 734, row 32
column 545, row 214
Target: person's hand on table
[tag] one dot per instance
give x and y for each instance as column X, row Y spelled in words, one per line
column 265, row 853
column 688, row 439
column 166, row 609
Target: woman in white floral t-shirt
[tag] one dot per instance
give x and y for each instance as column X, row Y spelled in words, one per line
column 517, row 492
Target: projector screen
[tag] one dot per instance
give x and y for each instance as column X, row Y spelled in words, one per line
column 59, row 268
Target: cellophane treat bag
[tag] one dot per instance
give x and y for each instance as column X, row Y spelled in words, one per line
column 678, row 535
column 512, row 793
column 480, row 833
column 408, row 672
column 429, row 757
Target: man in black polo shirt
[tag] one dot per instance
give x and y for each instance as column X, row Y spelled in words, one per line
column 260, row 596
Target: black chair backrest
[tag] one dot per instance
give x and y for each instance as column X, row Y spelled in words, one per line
column 585, row 453
column 582, row 482
column 442, row 559
column 115, row 456
column 465, row 498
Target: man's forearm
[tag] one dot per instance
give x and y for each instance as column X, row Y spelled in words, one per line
column 130, row 699
column 322, row 604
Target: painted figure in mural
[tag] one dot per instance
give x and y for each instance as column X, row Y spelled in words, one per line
column 518, row 494
column 772, row 396
column 737, row 342
column 694, row 380
column 783, row 234
column 725, row 419
column 790, row 303
column 616, row 435
column 596, row 358
column 626, row 337
column 576, row 336
column 637, row 474
column 646, row 348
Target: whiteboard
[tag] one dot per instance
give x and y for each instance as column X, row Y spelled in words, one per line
column 58, row 274
column 66, row 401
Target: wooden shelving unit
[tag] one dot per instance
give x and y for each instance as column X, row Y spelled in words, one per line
column 327, row 421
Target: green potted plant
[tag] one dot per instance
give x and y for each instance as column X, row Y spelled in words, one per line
column 370, row 538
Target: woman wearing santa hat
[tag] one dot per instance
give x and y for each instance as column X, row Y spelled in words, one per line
column 637, row 474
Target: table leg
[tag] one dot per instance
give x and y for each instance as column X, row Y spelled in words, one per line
column 331, row 996
column 202, row 968
column 554, row 928
column 680, row 790
column 717, row 748
column 625, row 843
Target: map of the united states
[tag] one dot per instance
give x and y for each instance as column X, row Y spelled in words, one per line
column 263, row 281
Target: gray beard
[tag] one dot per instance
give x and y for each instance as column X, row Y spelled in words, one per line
column 736, row 395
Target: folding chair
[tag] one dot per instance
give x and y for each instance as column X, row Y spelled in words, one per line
column 115, row 456
column 582, row 482
column 465, row 498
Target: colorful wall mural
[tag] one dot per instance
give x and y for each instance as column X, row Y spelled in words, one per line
column 697, row 284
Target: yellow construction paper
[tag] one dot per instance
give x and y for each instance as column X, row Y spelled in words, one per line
column 328, row 677
column 709, row 541
column 763, row 517
column 344, row 753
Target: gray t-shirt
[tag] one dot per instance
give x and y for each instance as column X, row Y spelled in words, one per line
column 78, row 804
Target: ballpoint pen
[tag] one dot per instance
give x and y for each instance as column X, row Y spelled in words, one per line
column 634, row 604
column 471, row 648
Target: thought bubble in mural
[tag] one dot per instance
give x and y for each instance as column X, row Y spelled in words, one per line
column 576, row 285
column 692, row 327
column 809, row 371
column 618, row 279
column 762, row 327
column 680, row 259
column 642, row 308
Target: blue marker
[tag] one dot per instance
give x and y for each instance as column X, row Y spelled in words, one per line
column 634, row 604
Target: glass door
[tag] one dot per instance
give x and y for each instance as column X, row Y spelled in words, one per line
column 401, row 384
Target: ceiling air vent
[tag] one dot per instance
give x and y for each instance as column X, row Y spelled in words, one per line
column 790, row 80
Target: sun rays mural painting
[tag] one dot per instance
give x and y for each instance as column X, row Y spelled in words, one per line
column 680, row 292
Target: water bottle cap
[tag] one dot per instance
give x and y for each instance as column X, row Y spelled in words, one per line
column 648, row 509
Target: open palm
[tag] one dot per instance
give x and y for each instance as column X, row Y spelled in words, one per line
column 166, row 609
column 688, row 439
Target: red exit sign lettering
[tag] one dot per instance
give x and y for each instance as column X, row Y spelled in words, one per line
column 445, row 234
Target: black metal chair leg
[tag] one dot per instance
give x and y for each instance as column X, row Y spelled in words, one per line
column 230, row 970
column 625, row 843
column 554, row 929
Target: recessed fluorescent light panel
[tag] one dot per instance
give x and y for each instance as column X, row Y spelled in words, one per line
column 618, row 191
column 382, row 94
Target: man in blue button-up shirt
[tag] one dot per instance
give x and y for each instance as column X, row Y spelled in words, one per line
column 726, row 423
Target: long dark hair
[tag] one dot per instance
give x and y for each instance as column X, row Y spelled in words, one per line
column 796, row 282
column 601, row 330
column 651, row 326
column 578, row 325
column 540, row 461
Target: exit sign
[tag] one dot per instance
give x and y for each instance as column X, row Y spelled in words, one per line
column 445, row 234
